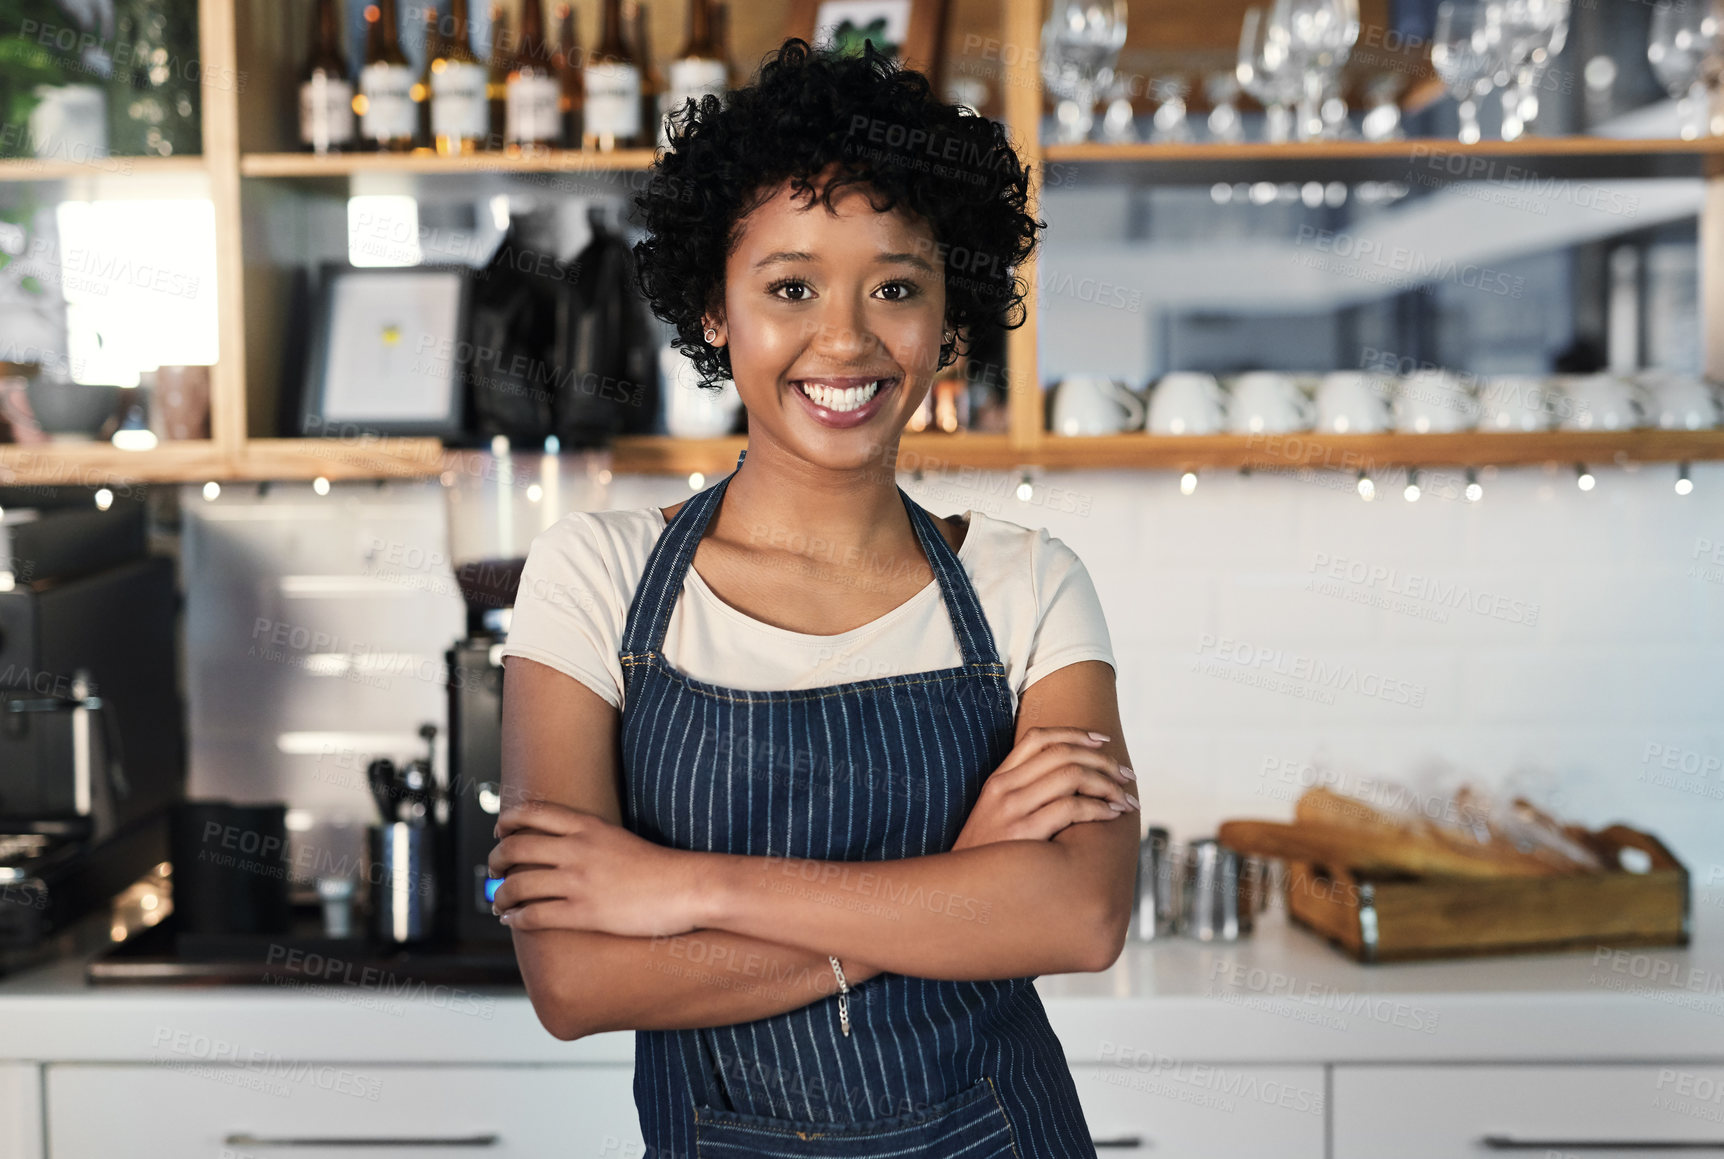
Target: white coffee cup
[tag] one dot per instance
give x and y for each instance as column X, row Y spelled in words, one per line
column 1516, row 402
column 1602, row 402
column 1434, row 402
column 1267, row 402
column 1354, row 402
column 1184, row 403
column 692, row 411
column 1092, row 405
column 1680, row 402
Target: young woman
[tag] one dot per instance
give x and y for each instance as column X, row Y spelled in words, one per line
column 813, row 828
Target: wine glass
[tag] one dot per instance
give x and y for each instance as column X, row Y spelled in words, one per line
column 1320, row 37
column 1119, row 122
column 1080, row 46
column 1225, row 124
column 1170, row 122
column 1461, row 54
column 1265, row 70
column 1528, row 35
column 1683, row 51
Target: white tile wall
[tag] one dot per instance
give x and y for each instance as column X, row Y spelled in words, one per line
column 1599, row 649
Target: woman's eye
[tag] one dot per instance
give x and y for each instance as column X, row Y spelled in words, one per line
column 908, row 290
column 787, row 285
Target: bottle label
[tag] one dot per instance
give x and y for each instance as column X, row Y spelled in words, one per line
column 388, row 90
column 613, row 99
column 458, row 106
column 690, row 79
column 325, row 112
column 531, row 110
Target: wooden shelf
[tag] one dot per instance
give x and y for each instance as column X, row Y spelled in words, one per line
column 1428, row 160
column 424, row 161
column 51, row 169
column 1314, row 450
column 105, row 465
column 92, row 464
column 1530, row 147
column 339, row 459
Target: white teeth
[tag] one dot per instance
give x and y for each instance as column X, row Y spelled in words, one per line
column 841, row 400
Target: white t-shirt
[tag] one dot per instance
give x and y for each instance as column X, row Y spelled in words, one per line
column 582, row 571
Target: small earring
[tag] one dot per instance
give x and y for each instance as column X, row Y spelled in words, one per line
column 711, row 335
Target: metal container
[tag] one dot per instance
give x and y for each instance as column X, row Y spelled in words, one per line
column 1155, row 901
column 1219, row 902
column 402, row 881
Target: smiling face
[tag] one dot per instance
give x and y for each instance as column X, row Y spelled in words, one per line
column 834, row 323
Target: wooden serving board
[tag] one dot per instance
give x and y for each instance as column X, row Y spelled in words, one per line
column 1392, row 918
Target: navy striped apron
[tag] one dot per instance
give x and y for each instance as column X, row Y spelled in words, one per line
column 871, row 770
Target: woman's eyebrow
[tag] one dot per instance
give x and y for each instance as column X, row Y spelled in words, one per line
column 905, row 259
column 787, row 256
column 783, row 256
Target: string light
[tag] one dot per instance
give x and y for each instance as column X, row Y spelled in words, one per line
column 320, row 485
column 1584, row 478
column 1474, row 492
column 1188, row 483
column 696, row 481
column 1026, row 489
column 1684, row 484
column 1367, row 489
column 1412, row 493
column 212, row 491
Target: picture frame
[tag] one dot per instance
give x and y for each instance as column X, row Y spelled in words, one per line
column 385, row 352
column 916, row 29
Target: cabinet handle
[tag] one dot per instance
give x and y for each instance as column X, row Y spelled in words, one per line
column 244, row 1139
column 1510, row 1143
column 1134, row 1142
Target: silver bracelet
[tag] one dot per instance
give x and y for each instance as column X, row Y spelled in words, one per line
column 843, row 996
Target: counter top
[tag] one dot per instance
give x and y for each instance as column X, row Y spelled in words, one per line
column 1281, row 995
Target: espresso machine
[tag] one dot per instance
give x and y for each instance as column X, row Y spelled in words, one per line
column 475, row 790
column 92, row 742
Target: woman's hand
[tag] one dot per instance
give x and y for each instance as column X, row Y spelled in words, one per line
column 570, row 870
column 1052, row 778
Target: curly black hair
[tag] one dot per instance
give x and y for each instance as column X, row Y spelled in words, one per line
column 809, row 109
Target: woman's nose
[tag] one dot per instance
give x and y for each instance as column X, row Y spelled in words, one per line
column 842, row 332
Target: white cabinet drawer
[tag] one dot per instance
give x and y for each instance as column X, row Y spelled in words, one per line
column 284, row 1108
column 1550, row 1112
column 1150, row 1105
column 20, row 1110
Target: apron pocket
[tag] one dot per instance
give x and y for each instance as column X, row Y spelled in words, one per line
column 972, row 1124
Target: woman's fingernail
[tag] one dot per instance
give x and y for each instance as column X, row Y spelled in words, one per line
column 1099, row 736
column 1129, row 775
column 1116, row 806
column 1133, row 800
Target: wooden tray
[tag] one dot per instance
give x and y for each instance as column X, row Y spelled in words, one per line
column 1393, row 919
